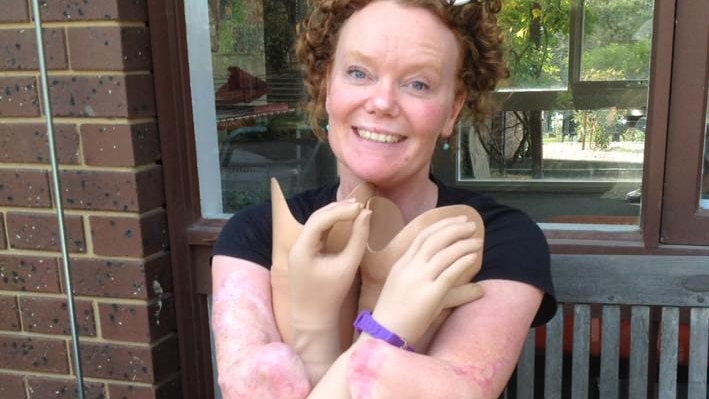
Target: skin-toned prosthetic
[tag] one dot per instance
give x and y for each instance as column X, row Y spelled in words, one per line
column 390, row 237
column 307, row 277
column 316, row 261
column 416, row 289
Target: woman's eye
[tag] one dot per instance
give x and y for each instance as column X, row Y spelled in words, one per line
column 357, row 73
column 419, row 86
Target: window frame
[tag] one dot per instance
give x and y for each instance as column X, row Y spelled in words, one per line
column 682, row 217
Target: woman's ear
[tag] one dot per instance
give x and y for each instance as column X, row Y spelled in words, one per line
column 458, row 104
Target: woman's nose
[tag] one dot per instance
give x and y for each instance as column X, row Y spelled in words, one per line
column 382, row 99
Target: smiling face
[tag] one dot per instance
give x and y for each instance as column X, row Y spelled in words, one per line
column 391, row 93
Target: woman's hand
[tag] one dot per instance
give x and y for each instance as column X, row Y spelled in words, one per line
column 422, row 281
column 319, row 280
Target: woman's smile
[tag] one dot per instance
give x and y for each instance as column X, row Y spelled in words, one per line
column 376, row 137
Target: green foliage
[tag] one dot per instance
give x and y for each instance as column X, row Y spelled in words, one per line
column 618, row 61
column 536, row 41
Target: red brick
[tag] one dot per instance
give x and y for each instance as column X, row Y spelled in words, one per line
column 9, row 313
column 121, row 48
column 19, row 49
column 28, row 188
column 131, row 237
column 102, row 96
column 121, row 278
column 130, row 362
column 137, row 323
column 18, row 97
column 34, row 354
column 14, row 11
column 3, row 238
column 29, row 273
column 72, row 10
column 55, row 388
column 113, row 191
column 168, row 390
column 120, row 145
column 12, row 386
column 40, row 231
column 28, row 143
column 51, row 316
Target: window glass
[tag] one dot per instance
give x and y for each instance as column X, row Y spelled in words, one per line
column 537, row 37
column 562, row 152
column 257, row 91
column 576, row 157
column 617, row 37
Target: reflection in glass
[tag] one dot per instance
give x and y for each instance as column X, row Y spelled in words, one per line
column 617, row 39
column 258, row 89
column 572, row 155
column 537, row 43
column 588, row 169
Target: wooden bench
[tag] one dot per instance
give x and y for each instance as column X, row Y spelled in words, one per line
column 650, row 316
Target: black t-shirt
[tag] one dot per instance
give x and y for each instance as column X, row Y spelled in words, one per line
column 515, row 247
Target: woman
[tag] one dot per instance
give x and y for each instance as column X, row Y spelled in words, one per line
column 392, row 77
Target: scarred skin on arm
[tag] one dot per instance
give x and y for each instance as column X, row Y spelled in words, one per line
column 251, row 359
column 472, row 356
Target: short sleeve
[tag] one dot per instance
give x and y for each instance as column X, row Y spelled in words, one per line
column 247, row 235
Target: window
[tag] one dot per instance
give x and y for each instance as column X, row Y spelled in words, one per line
column 568, row 145
column 249, row 93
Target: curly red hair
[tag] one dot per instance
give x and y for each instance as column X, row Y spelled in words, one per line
column 475, row 25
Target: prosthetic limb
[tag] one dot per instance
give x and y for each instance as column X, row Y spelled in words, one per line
column 390, row 237
column 285, row 233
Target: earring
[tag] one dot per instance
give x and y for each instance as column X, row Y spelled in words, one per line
column 446, row 146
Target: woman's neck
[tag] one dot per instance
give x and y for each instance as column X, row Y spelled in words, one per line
column 413, row 197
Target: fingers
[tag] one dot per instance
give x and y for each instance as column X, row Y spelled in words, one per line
column 462, row 294
column 358, row 240
column 323, row 220
column 442, row 234
column 453, row 261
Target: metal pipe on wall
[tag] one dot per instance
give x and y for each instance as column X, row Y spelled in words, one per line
column 47, row 105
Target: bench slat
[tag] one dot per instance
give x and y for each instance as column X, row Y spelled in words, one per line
column 525, row 368
column 699, row 331
column 581, row 352
column 631, row 279
column 610, row 351
column 669, row 345
column 554, row 356
column 639, row 345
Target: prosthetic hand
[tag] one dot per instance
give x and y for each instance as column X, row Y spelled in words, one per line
column 428, row 262
column 314, row 267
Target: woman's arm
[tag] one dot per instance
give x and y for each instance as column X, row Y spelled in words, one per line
column 251, row 359
column 472, row 356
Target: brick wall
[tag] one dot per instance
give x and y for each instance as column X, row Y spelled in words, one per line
column 98, row 52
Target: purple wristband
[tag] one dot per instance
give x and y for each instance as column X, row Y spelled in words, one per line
column 366, row 323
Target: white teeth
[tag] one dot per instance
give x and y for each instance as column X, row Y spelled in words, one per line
column 378, row 137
